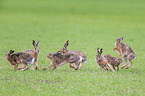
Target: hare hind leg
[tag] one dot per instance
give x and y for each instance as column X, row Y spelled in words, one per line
column 77, row 64
column 27, row 67
column 125, row 59
column 54, row 67
column 71, row 66
column 24, row 66
column 130, row 57
column 113, row 67
column 48, row 67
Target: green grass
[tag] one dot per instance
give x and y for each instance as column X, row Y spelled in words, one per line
column 88, row 24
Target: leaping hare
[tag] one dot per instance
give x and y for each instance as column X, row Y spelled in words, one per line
column 78, row 52
column 20, row 57
column 124, row 49
column 102, row 61
column 34, row 53
column 115, row 62
column 58, row 59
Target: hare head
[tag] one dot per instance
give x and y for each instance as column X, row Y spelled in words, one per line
column 98, row 56
column 52, row 55
column 10, row 52
column 64, row 49
column 119, row 40
column 8, row 55
column 35, row 46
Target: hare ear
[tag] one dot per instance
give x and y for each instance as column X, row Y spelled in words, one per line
column 58, row 52
column 37, row 43
column 11, row 51
column 98, row 50
column 66, row 43
column 121, row 38
column 101, row 50
column 33, row 42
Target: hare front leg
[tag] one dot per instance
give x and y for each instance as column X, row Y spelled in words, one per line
column 120, row 53
column 15, row 67
column 32, row 67
column 110, row 67
column 80, row 66
column 104, row 68
column 36, row 64
column 114, row 48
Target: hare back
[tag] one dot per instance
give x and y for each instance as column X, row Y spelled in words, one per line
column 80, row 53
column 21, row 56
column 30, row 51
column 108, row 56
column 126, row 49
column 113, row 60
column 57, row 59
column 71, row 57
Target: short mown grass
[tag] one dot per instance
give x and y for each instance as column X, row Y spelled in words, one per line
column 88, row 24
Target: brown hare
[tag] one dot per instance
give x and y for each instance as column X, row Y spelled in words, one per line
column 34, row 53
column 80, row 53
column 115, row 62
column 102, row 61
column 20, row 57
column 124, row 49
column 58, row 59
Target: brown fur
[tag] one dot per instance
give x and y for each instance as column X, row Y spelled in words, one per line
column 58, row 59
column 115, row 62
column 102, row 61
column 17, row 58
column 124, row 49
column 34, row 53
column 78, row 52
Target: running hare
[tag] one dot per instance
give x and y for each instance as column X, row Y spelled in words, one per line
column 34, row 53
column 80, row 53
column 102, row 61
column 58, row 59
column 20, row 57
column 124, row 49
column 115, row 62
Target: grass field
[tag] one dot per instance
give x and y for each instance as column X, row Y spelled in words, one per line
column 88, row 24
